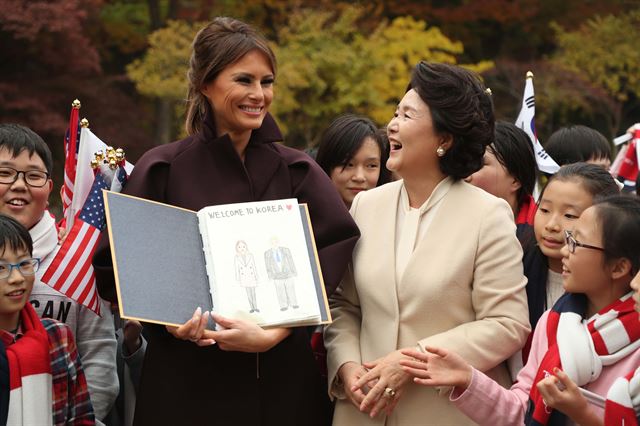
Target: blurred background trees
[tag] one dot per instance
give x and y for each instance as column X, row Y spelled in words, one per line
column 126, row 60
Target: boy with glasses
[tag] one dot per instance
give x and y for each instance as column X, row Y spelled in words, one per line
column 41, row 378
column 25, row 185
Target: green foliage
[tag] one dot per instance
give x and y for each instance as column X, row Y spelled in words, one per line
column 126, row 25
column 604, row 50
column 323, row 71
column 329, row 66
column 161, row 73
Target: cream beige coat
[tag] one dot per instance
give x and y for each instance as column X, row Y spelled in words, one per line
column 463, row 290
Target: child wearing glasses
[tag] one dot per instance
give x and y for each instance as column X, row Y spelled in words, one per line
column 567, row 194
column 41, row 377
column 590, row 338
column 25, row 185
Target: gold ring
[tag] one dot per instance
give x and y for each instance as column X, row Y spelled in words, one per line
column 389, row 392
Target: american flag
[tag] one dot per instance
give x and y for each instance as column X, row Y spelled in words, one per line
column 71, row 272
column 71, row 146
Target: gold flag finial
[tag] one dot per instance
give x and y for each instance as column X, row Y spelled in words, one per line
column 112, row 157
column 76, row 104
column 84, row 123
column 529, row 74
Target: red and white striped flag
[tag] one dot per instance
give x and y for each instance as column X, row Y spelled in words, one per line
column 70, row 271
column 71, row 146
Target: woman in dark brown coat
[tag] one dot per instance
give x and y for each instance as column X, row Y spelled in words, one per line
column 250, row 376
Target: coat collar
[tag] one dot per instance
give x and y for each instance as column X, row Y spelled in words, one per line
column 268, row 132
column 261, row 162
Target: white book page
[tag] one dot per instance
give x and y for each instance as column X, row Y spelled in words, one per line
column 261, row 267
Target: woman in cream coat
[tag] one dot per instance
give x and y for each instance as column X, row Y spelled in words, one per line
column 437, row 264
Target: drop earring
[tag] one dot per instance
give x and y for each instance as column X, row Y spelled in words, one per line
column 440, row 151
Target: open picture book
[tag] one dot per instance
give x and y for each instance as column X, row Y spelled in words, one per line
column 255, row 261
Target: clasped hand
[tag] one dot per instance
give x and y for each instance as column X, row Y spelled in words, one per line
column 366, row 385
column 235, row 335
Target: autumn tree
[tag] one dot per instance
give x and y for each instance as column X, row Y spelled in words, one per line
column 604, row 52
column 330, row 66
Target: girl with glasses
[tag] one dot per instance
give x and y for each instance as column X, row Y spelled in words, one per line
column 589, row 339
column 567, row 194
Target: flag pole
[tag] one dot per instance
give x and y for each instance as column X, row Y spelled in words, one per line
column 70, row 150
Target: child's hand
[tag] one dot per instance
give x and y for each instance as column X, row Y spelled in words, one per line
column 569, row 400
column 437, row 367
column 132, row 340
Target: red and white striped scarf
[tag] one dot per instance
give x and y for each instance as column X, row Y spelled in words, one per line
column 583, row 348
column 30, row 398
column 622, row 400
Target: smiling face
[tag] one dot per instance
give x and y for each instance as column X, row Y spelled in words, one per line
column 560, row 206
column 584, row 271
column 413, row 139
column 23, row 202
column 241, row 94
column 494, row 178
column 15, row 289
column 360, row 173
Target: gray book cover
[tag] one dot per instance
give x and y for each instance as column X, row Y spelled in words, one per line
column 161, row 268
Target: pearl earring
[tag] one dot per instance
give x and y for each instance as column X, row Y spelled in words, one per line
column 440, row 151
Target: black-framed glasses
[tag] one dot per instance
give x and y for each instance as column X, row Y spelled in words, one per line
column 26, row 267
column 572, row 243
column 35, row 178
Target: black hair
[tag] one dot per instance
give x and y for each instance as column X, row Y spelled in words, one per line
column 597, row 181
column 512, row 148
column 16, row 138
column 344, row 137
column 619, row 219
column 573, row 144
column 14, row 235
column 461, row 107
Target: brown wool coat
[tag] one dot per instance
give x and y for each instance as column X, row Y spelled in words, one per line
column 462, row 290
column 185, row 384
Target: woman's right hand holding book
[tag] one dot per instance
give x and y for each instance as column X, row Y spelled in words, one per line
column 236, row 335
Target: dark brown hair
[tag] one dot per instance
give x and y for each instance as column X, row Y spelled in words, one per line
column 221, row 43
column 343, row 138
column 461, row 107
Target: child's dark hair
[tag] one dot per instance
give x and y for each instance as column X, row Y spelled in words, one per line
column 512, row 148
column 14, row 235
column 573, row 144
column 619, row 219
column 597, row 181
column 342, row 140
column 16, row 138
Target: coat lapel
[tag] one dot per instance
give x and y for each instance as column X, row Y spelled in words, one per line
column 378, row 266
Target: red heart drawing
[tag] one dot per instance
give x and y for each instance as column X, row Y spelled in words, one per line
column 288, row 206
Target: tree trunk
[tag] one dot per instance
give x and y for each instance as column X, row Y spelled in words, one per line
column 164, row 121
column 163, row 107
column 155, row 20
